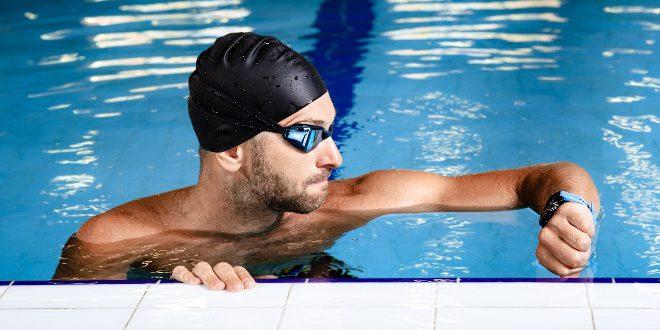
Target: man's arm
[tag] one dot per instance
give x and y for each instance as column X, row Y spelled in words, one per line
column 564, row 244
column 406, row 191
column 82, row 261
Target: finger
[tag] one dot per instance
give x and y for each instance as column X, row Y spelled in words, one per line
column 245, row 277
column 576, row 238
column 567, row 255
column 204, row 271
column 266, row 277
column 553, row 264
column 227, row 274
column 579, row 217
column 183, row 275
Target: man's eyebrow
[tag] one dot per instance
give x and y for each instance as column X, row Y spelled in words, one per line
column 313, row 121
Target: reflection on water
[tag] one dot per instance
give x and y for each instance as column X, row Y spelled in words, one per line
column 210, row 19
column 444, row 255
column 63, row 188
column 636, row 178
column 442, row 34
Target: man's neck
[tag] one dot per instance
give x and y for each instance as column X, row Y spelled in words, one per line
column 209, row 208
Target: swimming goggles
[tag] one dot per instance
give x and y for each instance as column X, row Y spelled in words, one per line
column 305, row 137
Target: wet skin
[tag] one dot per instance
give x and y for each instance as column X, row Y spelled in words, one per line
column 200, row 231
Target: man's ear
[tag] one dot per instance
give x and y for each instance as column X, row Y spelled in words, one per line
column 231, row 160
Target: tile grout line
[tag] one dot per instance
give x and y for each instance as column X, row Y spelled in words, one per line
column 288, row 294
column 591, row 311
column 138, row 305
column 7, row 289
column 435, row 306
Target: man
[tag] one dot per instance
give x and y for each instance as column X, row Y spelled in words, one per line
column 263, row 118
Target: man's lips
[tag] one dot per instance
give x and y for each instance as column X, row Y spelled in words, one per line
column 324, row 179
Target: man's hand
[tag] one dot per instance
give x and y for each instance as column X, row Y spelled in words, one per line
column 565, row 242
column 218, row 277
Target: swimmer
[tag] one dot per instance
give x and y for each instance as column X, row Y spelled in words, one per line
column 264, row 121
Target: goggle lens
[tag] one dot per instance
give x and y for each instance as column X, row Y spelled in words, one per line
column 306, row 137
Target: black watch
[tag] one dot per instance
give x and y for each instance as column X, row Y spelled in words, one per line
column 556, row 200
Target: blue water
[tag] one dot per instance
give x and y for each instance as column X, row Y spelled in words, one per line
column 94, row 115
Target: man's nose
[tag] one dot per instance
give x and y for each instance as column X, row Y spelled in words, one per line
column 330, row 155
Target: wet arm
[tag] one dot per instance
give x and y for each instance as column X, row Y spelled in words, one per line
column 406, row 191
column 546, row 179
column 81, row 261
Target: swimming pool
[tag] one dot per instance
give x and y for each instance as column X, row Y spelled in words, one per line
column 93, row 101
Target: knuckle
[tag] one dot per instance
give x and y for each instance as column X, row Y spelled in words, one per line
column 201, row 265
column 584, row 258
column 223, row 266
column 585, row 244
column 539, row 253
column 563, row 272
column 575, row 260
column 544, row 235
column 554, row 221
column 591, row 229
column 179, row 269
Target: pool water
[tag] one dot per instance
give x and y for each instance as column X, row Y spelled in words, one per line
column 93, row 105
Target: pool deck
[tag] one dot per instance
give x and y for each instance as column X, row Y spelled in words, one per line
column 322, row 304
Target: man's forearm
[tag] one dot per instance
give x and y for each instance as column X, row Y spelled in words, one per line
column 544, row 180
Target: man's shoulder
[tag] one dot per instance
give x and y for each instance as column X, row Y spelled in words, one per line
column 121, row 223
column 138, row 218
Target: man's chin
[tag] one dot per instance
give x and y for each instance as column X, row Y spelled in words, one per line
column 313, row 202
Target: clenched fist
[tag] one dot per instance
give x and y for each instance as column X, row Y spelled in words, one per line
column 565, row 242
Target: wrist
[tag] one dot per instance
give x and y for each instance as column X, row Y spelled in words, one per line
column 556, row 200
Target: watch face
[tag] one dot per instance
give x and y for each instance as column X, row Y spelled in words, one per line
column 553, row 204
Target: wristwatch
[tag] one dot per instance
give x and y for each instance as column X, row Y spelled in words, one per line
column 556, row 200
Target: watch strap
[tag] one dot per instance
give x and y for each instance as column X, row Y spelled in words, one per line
column 557, row 199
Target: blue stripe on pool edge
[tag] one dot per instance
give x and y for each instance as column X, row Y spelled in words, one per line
column 367, row 280
column 72, row 282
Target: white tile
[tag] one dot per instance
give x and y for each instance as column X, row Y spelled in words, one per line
column 638, row 319
column 512, row 295
column 624, row 295
column 209, row 318
column 65, row 318
column 448, row 318
column 185, row 295
column 362, row 318
column 73, row 296
column 362, row 294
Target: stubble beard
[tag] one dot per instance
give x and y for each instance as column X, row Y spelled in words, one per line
column 272, row 190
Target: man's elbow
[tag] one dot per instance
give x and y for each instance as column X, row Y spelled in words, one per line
column 585, row 184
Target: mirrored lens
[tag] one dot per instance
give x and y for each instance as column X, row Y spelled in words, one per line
column 306, row 137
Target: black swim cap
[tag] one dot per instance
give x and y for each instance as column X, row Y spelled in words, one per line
column 244, row 84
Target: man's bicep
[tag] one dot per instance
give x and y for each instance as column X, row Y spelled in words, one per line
column 389, row 191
